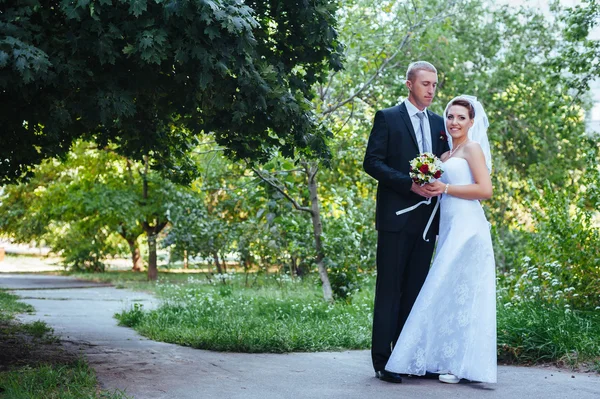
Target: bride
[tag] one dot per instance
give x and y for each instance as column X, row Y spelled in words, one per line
column 451, row 329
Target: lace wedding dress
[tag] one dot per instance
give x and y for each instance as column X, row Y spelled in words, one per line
column 452, row 325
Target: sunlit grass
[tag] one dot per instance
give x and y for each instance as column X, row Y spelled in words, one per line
column 132, row 280
column 272, row 316
column 529, row 333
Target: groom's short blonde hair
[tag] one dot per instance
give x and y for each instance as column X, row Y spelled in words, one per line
column 417, row 66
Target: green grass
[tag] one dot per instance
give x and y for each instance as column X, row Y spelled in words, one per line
column 529, row 333
column 271, row 317
column 40, row 330
column 34, row 366
column 282, row 316
column 132, row 280
column 9, row 306
column 67, row 381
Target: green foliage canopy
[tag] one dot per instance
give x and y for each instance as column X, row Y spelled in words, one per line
column 580, row 54
column 150, row 75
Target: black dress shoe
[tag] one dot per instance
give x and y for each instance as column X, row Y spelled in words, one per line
column 431, row 376
column 428, row 376
column 388, row 376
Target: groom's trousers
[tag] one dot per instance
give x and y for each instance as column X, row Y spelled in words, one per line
column 403, row 260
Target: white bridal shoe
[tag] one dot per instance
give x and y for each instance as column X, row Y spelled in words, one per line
column 449, row 378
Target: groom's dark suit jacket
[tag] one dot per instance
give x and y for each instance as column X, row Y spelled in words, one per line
column 392, row 145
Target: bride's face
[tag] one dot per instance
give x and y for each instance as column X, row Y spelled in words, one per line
column 458, row 122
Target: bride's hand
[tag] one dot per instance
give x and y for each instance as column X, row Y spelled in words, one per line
column 420, row 190
column 436, row 188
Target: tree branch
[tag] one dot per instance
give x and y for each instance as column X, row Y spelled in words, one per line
column 325, row 92
column 384, row 64
column 371, row 79
column 347, row 119
column 208, row 151
column 273, row 184
column 313, row 172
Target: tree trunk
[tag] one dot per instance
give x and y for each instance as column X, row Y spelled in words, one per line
column 136, row 257
column 151, row 230
column 152, row 234
column 152, row 259
column 315, row 213
column 131, row 238
column 223, row 263
column 185, row 259
column 293, row 266
column 217, row 263
column 318, row 231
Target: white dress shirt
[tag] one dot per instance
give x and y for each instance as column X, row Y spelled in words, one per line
column 416, row 122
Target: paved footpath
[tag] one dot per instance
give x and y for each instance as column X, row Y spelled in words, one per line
column 83, row 318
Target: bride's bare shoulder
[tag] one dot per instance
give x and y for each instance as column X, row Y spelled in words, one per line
column 444, row 157
column 472, row 146
column 474, row 154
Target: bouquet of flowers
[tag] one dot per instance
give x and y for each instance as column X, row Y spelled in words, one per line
column 425, row 168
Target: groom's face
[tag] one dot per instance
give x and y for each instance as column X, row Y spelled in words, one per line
column 422, row 88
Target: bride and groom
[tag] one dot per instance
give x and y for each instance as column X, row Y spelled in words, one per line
column 437, row 321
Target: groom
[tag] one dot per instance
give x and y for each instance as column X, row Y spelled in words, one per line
column 398, row 135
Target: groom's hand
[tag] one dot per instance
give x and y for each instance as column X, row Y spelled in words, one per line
column 434, row 189
column 420, row 190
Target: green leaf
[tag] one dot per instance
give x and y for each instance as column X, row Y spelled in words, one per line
column 137, row 7
column 129, row 49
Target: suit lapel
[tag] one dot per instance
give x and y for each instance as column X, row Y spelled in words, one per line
column 437, row 130
column 408, row 123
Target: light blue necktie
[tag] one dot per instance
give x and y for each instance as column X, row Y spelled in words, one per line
column 424, row 143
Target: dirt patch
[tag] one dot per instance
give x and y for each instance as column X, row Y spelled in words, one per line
column 18, row 348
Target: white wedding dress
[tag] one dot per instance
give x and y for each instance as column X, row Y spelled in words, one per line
column 452, row 325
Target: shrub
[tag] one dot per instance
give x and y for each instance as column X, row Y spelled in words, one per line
column 565, row 247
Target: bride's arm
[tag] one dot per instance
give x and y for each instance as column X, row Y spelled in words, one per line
column 480, row 190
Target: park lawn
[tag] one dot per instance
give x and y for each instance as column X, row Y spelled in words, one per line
column 278, row 314
column 256, row 314
column 533, row 333
column 137, row 281
column 33, row 365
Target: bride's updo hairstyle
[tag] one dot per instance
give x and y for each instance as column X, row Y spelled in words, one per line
column 463, row 103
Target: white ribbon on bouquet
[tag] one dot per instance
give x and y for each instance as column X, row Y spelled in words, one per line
column 415, row 206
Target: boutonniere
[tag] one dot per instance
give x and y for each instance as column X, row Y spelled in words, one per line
column 443, row 136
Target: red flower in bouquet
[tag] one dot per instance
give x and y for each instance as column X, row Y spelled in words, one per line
column 425, row 168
